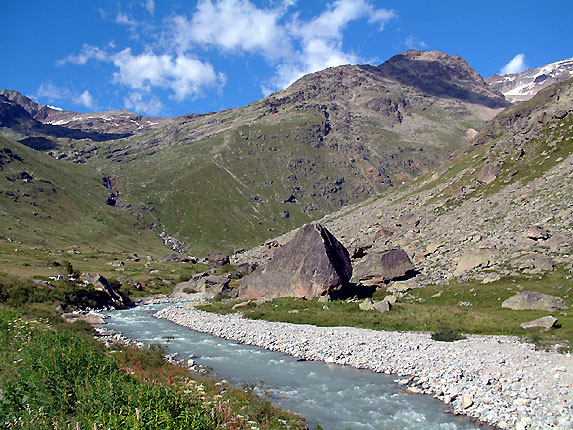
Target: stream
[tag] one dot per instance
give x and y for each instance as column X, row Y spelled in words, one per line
column 334, row 396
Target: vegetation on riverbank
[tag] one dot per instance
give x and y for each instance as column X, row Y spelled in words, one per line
column 468, row 307
column 55, row 375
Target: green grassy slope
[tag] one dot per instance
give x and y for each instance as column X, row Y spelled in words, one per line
column 54, row 204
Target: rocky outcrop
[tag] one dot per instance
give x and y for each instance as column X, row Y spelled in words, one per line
column 475, row 258
column 380, row 268
column 312, row 264
column 218, row 260
column 533, row 300
column 112, row 298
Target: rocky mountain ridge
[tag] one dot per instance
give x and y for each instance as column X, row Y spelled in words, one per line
column 523, row 86
column 501, row 204
column 333, row 138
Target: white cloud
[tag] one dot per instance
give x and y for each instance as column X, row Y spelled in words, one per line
column 185, row 76
column 232, row 26
column 87, row 53
column 413, row 43
column 122, row 18
column 85, row 99
column 51, row 92
column 516, row 65
column 135, row 101
column 150, row 6
column 321, row 39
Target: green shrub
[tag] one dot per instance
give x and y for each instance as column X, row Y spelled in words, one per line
column 446, row 334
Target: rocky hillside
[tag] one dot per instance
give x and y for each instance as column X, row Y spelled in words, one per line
column 517, row 87
column 503, row 203
column 232, row 179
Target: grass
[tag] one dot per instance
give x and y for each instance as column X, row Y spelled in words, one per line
column 58, row 376
column 424, row 312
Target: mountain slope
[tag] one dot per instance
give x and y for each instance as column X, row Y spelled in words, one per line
column 55, row 204
column 522, row 86
column 509, row 192
column 234, row 178
column 332, row 138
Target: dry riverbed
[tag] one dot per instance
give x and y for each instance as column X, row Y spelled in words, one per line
column 497, row 379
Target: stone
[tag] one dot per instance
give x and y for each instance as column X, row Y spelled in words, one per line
column 101, row 284
column 247, row 268
column 314, row 263
column 202, row 283
column 536, row 233
column 244, row 305
column 533, row 300
column 467, row 401
column 366, row 305
column 479, row 257
column 390, row 299
column 218, row 260
column 382, row 306
column 488, row 174
column 171, row 258
column 387, row 266
column 545, row 322
column 324, row 299
column 534, row 261
column 89, row 318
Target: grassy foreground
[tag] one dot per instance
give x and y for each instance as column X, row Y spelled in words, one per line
column 434, row 307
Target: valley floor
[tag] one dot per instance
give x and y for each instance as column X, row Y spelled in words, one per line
column 497, row 379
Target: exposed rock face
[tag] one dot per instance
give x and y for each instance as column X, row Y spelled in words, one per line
column 312, row 264
column 387, row 266
column 489, row 173
column 532, row 300
column 523, row 86
column 535, row 261
column 202, row 283
column 545, row 322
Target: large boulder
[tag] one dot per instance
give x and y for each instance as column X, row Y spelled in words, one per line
column 533, row 300
column 112, row 298
column 534, row 261
column 379, row 268
column 479, row 257
column 312, row 264
column 545, row 322
column 202, row 283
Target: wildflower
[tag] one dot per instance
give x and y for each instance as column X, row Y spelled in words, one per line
column 212, row 413
column 137, row 413
column 17, row 361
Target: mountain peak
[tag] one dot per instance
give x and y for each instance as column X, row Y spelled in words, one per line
column 523, row 86
column 442, row 75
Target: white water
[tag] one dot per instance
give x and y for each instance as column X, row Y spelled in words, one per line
column 334, row 396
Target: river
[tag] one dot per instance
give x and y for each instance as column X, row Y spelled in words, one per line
column 334, row 396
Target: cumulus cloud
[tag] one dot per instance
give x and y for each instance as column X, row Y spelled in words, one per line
column 232, row 26
column 185, row 76
column 516, row 65
column 87, row 53
column 85, row 99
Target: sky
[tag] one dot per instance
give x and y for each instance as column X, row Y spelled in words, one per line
column 174, row 57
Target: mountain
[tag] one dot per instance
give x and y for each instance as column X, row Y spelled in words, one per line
column 522, row 86
column 504, row 202
column 46, row 202
column 231, row 179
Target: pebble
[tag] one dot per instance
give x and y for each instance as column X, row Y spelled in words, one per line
column 498, row 380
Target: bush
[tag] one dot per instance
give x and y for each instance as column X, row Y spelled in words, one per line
column 446, row 334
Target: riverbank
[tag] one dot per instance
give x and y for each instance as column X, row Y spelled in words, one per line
column 496, row 379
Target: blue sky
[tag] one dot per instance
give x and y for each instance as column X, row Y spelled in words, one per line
column 172, row 57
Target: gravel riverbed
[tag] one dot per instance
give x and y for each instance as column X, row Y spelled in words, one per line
column 498, row 380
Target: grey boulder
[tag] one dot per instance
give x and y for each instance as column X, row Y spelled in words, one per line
column 530, row 300
column 314, row 263
column 384, row 267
